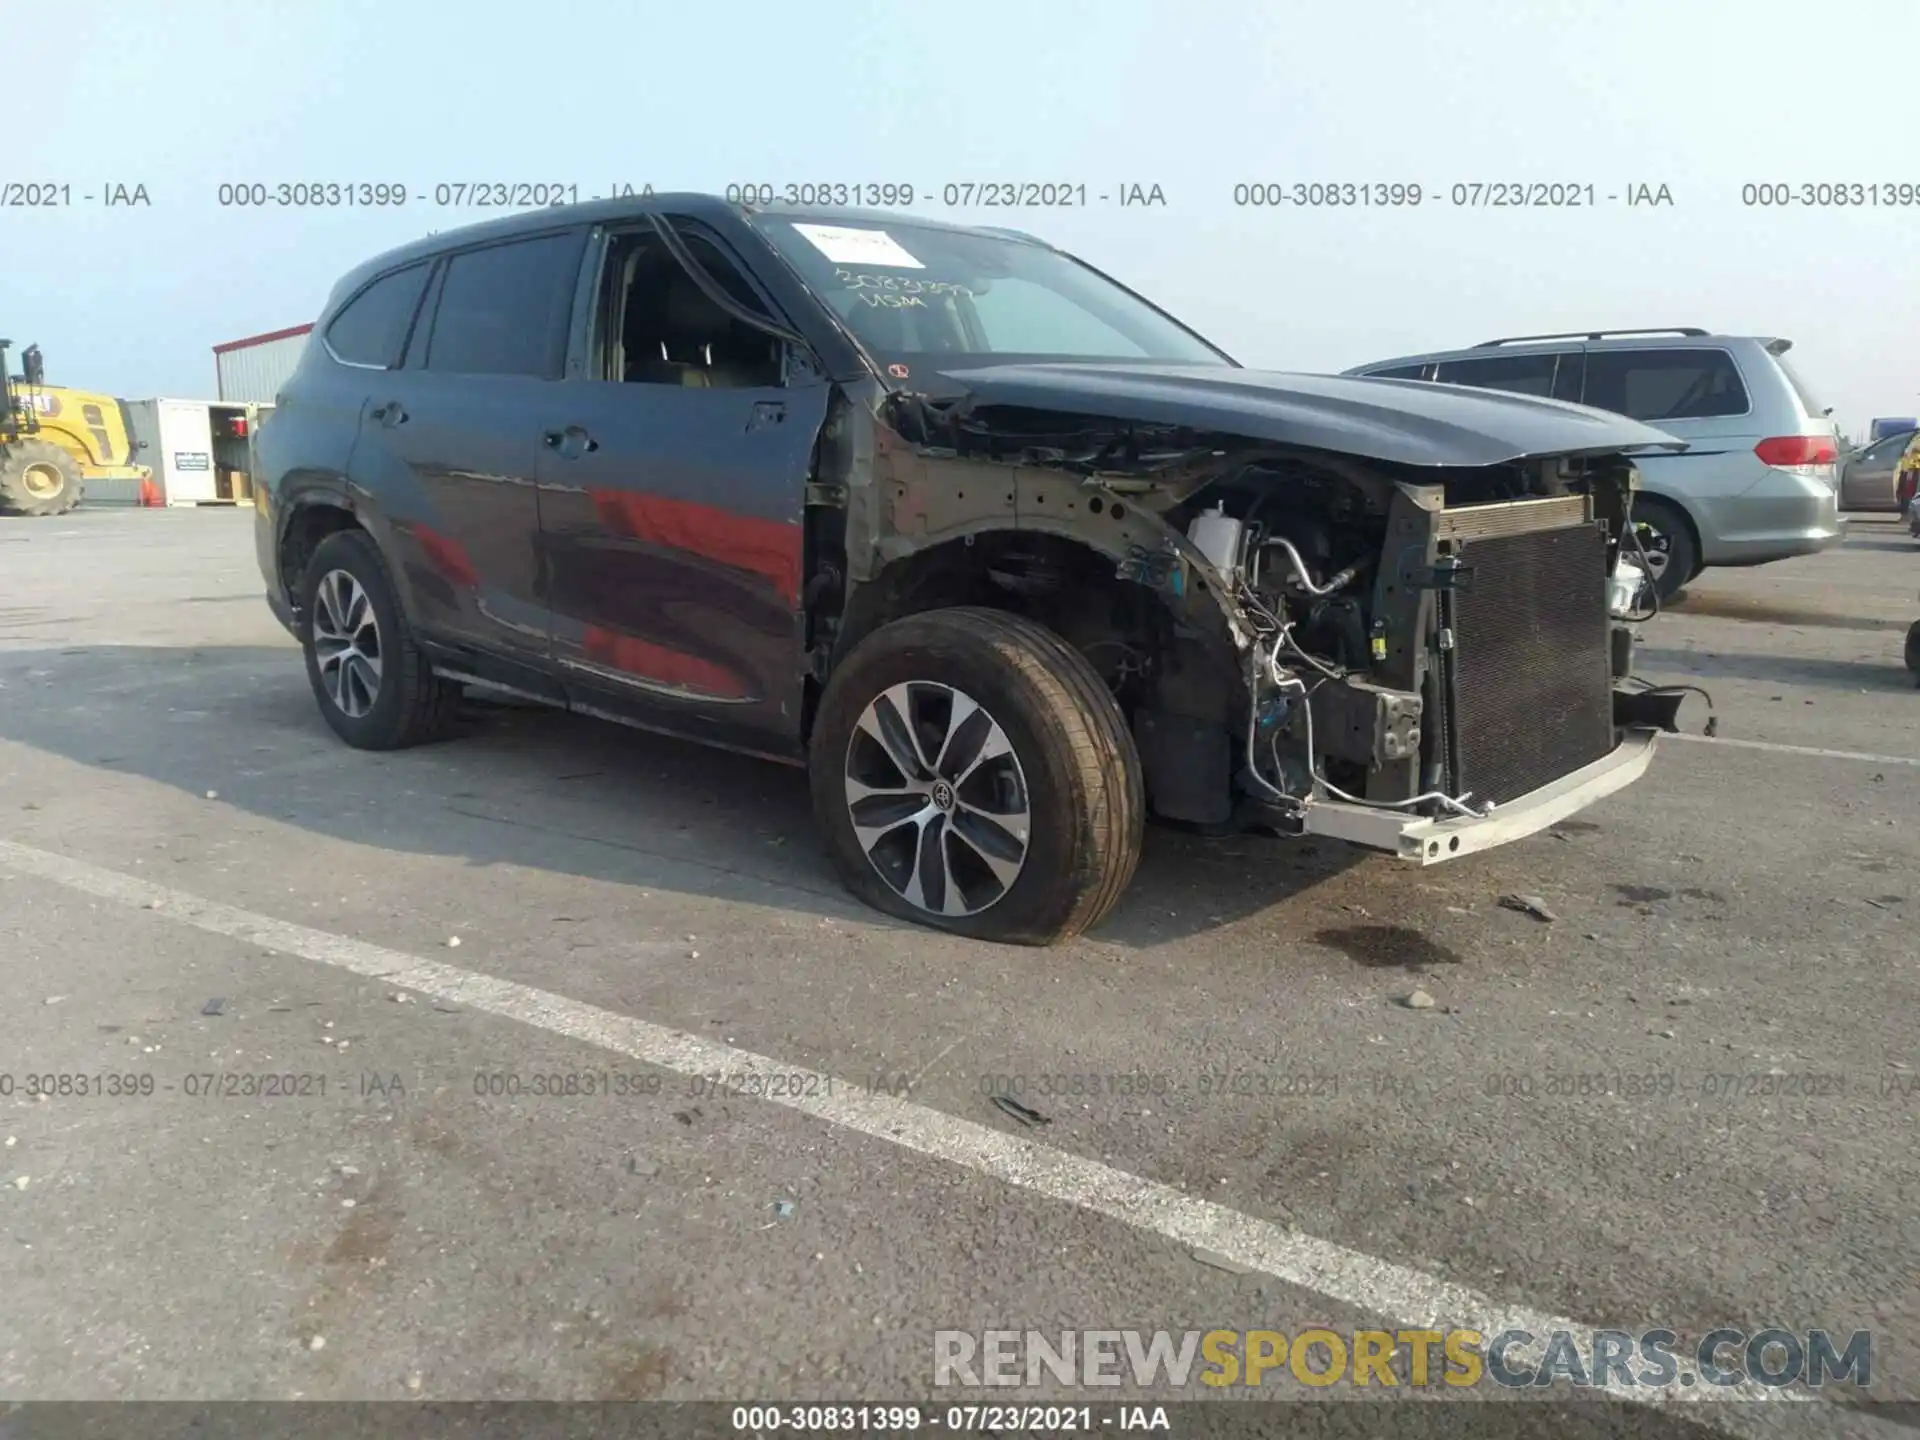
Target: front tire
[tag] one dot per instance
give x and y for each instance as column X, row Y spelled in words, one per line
column 972, row 772
column 38, row 478
column 1668, row 540
column 373, row 684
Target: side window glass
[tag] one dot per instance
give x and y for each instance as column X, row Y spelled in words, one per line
column 373, row 325
column 1522, row 374
column 1399, row 372
column 662, row 329
column 503, row 310
column 1570, row 375
column 1655, row 385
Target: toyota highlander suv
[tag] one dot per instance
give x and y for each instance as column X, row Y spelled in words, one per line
column 1758, row 480
column 1006, row 556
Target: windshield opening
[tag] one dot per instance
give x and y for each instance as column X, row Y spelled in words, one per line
column 923, row 298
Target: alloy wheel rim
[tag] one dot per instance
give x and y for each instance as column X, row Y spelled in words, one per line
column 1658, row 547
column 43, row 480
column 346, row 644
column 938, row 799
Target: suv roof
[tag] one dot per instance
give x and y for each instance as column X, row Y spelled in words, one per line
column 1654, row 338
column 695, row 205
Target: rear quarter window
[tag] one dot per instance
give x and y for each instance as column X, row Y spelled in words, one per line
column 372, row 326
column 1666, row 384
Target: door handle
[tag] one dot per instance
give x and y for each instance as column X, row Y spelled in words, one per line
column 390, row 414
column 572, row 442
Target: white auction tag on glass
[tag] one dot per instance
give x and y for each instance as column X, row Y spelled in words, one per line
column 846, row 246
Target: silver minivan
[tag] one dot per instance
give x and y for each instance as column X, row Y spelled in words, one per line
column 1759, row 480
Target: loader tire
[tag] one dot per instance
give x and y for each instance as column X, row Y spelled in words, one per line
column 972, row 772
column 38, row 478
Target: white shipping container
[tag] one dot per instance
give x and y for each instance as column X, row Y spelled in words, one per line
column 196, row 457
column 254, row 369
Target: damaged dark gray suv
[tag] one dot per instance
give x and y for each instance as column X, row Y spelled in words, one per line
column 1006, row 556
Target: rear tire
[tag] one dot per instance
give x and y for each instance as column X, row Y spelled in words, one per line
column 38, row 478
column 1668, row 540
column 1913, row 650
column 1046, row 749
column 373, row 685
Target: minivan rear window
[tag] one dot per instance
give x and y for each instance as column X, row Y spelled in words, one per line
column 1666, row 384
column 1809, row 402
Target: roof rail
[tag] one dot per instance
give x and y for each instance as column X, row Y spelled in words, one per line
column 1593, row 335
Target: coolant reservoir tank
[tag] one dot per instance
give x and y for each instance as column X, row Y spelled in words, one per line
column 1218, row 536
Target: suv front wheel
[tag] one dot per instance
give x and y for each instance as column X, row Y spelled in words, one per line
column 374, row 686
column 972, row 772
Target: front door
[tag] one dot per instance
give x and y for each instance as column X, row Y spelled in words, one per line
column 673, row 482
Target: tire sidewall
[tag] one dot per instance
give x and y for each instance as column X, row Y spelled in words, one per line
column 41, row 452
column 1053, row 873
column 353, row 552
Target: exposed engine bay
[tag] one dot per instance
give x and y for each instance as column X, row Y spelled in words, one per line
column 1282, row 625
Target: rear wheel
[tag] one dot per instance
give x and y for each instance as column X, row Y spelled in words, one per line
column 1913, row 649
column 1672, row 557
column 373, row 684
column 38, row 478
column 972, row 772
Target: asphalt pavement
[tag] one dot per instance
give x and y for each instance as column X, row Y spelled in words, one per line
column 589, row 1082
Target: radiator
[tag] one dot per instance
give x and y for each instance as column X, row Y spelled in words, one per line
column 1528, row 681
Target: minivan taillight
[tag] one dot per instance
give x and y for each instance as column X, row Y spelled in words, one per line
column 1788, row 452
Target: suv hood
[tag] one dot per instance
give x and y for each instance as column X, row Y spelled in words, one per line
column 1410, row 422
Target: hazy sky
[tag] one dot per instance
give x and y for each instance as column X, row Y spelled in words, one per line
column 1702, row 96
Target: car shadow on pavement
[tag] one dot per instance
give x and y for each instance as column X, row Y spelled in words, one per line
column 539, row 788
column 1816, row 671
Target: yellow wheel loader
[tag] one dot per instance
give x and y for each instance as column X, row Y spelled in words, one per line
column 54, row 440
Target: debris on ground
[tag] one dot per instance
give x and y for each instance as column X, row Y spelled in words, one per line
column 213, row 794
column 453, row 942
column 53, row 1000
column 637, row 1166
column 318, row 1342
column 783, row 1209
column 1218, row 1261
column 216, row 1006
column 415, row 1381
column 1418, row 1000
column 1529, row 905
column 1026, row 1115
column 20, row 1182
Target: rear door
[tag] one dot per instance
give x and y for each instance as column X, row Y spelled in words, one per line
column 673, row 475
column 1550, row 374
column 450, row 447
column 1868, row 483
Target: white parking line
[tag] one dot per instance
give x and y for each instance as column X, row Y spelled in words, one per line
column 1781, row 749
column 1408, row 1298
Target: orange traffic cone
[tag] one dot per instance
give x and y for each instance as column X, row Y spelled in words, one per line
column 150, row 496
